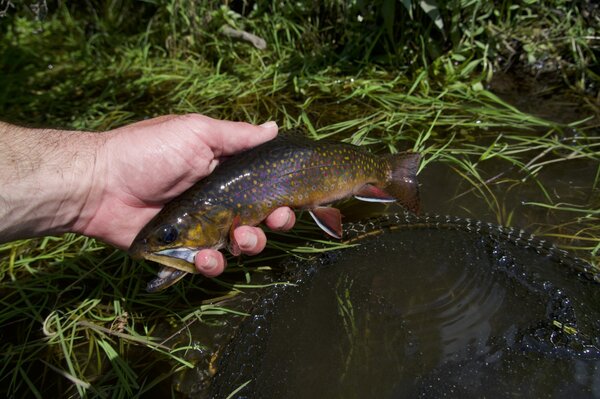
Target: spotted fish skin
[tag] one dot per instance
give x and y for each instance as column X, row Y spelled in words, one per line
column 287, row 171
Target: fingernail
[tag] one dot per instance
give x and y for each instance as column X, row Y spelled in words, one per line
column 248, row 241
column 269, row 125
column 211, row 263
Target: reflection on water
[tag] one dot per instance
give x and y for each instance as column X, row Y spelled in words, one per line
column 423, row 312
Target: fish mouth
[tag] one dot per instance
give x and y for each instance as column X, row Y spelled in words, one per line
column 181, row 258
column 166, row 277
column 186, row 254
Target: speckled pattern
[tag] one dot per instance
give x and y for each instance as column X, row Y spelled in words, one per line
column 298, row 173
column 288, row 170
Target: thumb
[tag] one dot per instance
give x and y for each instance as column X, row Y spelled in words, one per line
column 226, row 138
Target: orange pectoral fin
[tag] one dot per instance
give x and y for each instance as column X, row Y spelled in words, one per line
column 233, row 247
column 328, row 219
column 370, row 193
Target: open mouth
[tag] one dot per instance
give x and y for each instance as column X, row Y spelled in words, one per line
column 166, row 277
column 186, row 254
column 178, row 258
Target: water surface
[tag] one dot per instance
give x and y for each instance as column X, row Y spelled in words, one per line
column 421, row 313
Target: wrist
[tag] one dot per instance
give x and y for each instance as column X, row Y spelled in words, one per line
column 47, row 177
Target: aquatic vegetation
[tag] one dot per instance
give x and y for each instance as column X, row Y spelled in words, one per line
column 75, row 318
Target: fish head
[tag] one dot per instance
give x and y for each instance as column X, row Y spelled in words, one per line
column 174, row 238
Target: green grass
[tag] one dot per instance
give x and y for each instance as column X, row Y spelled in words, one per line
column 75, row 319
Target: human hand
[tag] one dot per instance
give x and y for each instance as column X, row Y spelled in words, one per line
column 140, row 167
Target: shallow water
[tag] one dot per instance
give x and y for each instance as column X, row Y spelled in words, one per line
column 432, row 313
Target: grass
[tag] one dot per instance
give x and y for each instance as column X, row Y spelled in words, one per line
column 75, row 319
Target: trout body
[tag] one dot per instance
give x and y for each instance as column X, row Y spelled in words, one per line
column 243, row 190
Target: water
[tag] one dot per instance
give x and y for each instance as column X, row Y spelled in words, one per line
column 432, row 313
column 435, row 312
column 428, row 312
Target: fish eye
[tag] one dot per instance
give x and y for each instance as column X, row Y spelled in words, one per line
column 167, row 234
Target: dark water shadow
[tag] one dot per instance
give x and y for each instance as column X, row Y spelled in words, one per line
column 422, row 312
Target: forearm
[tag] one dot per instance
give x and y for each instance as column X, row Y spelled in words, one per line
column 45, row 178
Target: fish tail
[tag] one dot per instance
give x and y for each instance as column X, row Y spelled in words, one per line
column 403, row 184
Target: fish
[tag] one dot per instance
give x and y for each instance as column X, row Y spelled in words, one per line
column 290, row 170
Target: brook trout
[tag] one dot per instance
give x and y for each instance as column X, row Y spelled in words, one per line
column 287, row 171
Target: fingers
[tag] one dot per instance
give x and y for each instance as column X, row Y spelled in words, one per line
column 226, row 137
column 281, row 219
column 209, row 262
column 251, row 241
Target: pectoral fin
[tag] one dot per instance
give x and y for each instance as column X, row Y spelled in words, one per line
column 370, row 193
column 233, row 247
column 328, row 219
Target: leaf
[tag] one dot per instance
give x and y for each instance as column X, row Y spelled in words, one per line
column 431, row 8
column 408, row 4
column 388, row 8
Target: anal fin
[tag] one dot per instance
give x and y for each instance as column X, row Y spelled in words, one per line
column 371, row 193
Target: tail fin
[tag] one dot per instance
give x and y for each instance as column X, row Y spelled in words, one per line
column 404, row 185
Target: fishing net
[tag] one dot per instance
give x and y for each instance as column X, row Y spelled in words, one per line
column 422, row 307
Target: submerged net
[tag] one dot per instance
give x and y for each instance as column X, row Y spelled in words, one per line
column 422, row 307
